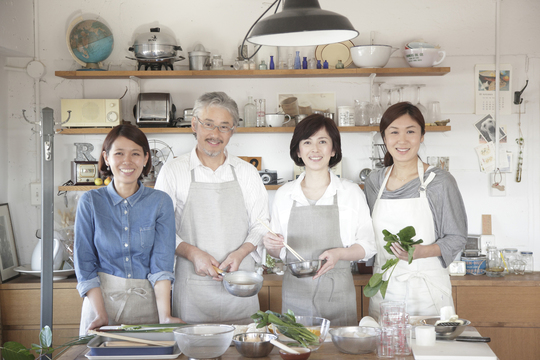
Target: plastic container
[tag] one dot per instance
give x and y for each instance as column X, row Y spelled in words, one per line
column 527, row 257
column 475, row 265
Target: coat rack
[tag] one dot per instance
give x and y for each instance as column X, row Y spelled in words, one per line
column 46, row 133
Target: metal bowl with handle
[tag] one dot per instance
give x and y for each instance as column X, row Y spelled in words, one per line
column 242, row 283
column 306, row 268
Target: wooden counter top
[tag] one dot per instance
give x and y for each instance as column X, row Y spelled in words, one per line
column 531, row 279
column 326, row 351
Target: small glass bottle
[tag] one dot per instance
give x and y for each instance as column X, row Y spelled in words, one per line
column 319, row 66
column 290, row 62
column 262, row 66
column 250, row 113
column 340, row 65
column 252, row 65
column 312, row 63
column 272, row 66
column 297, row 63
column 376, row 111
column 217, row 62
column 238, row 64
column 261, row 112
column 527, row 257
column 245, row 65
column 304, row 63
column 325, row 64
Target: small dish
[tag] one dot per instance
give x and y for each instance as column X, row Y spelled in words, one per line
column 304, row 354
column 57, row 274
column 334, row 52
column 442, row 122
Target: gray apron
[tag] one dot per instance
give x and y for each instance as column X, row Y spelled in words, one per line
column 127, row 301
column 214, row 220
column 312, row 230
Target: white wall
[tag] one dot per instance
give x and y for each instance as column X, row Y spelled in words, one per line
column 465, row 29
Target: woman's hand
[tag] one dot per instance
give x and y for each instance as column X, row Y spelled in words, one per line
column 171, row 320
column 99, row 321
column 273, row 244
column 332, row 256
column 402, row 254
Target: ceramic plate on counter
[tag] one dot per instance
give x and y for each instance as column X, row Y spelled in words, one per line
column 334, row 52
column 57, row 274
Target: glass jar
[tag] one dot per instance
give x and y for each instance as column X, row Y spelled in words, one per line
column 263, row 66
column 245, row 65
column 250, row 113
column 252, row 65
column 340, row 65
column 509, row 256
column 217, row 62
column 494, row 266
column 527, row 257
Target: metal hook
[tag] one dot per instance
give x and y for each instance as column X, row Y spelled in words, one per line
column 28, row 121
column 63, row 122
column 517, row 94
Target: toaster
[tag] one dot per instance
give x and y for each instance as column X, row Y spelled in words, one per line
column 154, row 110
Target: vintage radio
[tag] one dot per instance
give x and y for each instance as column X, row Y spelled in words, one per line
column 84, row 172
column 91, row 112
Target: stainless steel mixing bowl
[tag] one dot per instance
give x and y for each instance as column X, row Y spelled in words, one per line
column 306, row 268
column 242, row 283
column 355, row 339
column 254, row 345
column 447, row 332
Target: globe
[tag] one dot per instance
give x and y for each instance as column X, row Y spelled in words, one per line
column 90, row 42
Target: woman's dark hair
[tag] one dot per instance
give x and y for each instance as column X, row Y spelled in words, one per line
column 394, row 112
column 309, row 126
column 130, row 132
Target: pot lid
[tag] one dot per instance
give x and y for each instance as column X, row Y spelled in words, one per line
column 154, row 37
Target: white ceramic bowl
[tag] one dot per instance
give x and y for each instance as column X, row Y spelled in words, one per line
column 424, row 57
column 371, row 56
column 204, row 341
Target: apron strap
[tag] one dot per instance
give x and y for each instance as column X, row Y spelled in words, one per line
column 423, row 184
column 123, row 296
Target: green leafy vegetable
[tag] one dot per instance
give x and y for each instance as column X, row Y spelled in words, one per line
column 287, row 325
column 404, row 239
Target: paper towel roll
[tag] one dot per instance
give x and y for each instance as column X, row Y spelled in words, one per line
column 425, row 335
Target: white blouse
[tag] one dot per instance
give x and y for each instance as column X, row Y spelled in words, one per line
column 354, row 217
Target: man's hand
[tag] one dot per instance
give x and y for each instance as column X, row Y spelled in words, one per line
column 235, row 258
column 273, row 244
column 202, row 261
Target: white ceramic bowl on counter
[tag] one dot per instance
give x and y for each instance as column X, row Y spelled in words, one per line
column 371, row 56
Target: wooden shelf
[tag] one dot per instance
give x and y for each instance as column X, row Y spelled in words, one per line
column 165, row 130
column 239, row 74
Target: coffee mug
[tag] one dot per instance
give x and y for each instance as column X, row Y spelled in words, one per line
column 290, row 106
column 276, row 120
column 424, row 57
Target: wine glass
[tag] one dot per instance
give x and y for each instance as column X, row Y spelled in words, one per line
column 388, row 98
column 419, row 105
column 401, row 91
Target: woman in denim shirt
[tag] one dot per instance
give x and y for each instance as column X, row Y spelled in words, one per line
column 125, row 240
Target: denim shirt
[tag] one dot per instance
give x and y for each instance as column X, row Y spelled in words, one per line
column 132, row 238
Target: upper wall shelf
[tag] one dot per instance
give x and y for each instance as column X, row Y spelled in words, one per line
column 231, row 74
column 167, row 130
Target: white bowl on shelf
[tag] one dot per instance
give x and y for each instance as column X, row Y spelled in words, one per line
column 371, row 56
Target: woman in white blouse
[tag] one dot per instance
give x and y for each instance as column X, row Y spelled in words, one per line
column 321, row 217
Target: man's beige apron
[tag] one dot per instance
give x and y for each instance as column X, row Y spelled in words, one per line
column 127, row 301
column 312, row 230
column 424, row 284
column 214, row 220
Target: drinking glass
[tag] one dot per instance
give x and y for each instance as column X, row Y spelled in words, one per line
column 386, row 347
column 362, row 113
column 419, row 105
column 401, row 91
column 388, row 98
column 403, row 339
column 392, row 313
column 434, row 112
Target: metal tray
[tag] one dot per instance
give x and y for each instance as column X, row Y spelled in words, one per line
column 96, row 348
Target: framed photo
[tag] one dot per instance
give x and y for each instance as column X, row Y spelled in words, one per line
column 8, row 250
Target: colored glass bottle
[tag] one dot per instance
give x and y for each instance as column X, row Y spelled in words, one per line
column 262, row 66
column 325, row 64
column 297, row 63
column 340, row 65
column 319, row 66
column 304, row 63
column 272, row 63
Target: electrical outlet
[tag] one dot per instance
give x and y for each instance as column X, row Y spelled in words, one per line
column 35, row 194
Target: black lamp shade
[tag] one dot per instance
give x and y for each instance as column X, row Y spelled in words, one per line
column 302, row 23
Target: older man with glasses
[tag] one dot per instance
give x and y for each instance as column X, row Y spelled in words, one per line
column 218, row 199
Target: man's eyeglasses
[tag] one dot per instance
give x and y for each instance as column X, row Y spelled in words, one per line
column 210, row 126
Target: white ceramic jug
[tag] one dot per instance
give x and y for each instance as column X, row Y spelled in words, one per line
column 58, row 256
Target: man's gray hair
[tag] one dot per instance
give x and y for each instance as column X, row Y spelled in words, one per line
column 219, row 99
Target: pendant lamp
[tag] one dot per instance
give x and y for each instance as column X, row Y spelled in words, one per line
column 302, row 23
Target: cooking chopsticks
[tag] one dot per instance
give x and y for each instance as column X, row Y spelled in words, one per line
column 129, row 338
column 297, row 255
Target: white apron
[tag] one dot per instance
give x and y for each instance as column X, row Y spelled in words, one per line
column 127, row 301
column 312, row 230
column 424, row 285
column 214, row 220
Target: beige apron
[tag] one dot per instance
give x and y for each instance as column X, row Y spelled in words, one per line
column 312, row 230
column 127, row 301
column 424, row 284
column 214, row 220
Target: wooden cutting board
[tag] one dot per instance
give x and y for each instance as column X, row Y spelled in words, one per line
column 458, row 350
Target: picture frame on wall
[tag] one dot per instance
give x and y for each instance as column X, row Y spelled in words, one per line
column 8, row 249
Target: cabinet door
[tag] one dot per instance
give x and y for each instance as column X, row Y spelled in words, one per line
column 510, row 343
